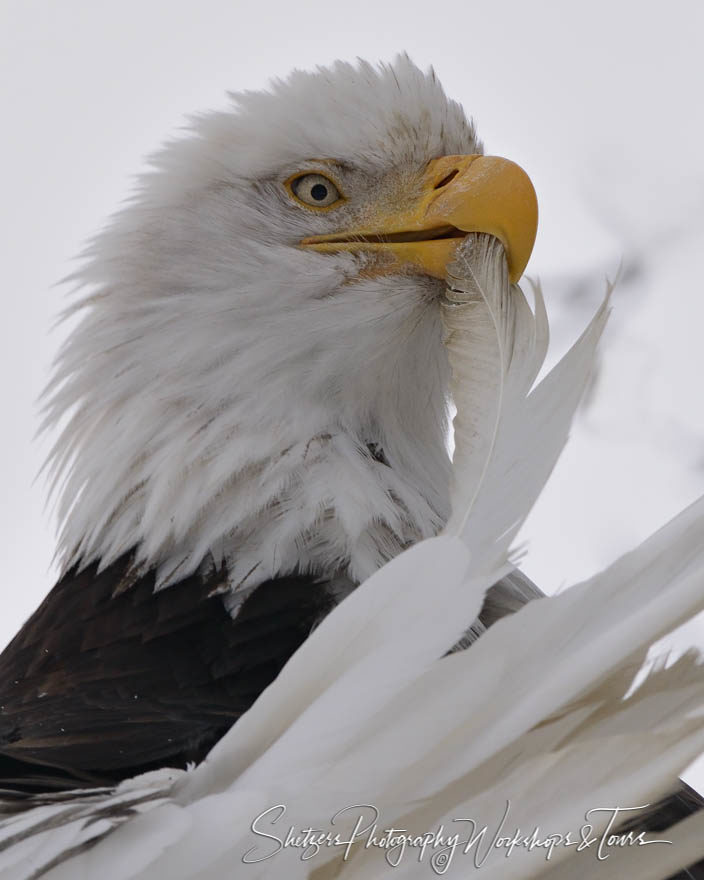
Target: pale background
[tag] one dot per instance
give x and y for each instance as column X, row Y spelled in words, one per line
column 600, row 102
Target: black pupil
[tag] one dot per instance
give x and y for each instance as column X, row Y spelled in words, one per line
column 319, row 192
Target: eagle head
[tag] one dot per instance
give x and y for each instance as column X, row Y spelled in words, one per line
column 258, row 379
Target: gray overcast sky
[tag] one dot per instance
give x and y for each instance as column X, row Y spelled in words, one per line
column 599, row 101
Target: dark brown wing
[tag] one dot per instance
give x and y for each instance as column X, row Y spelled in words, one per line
column 99, row 685
column 668, row 812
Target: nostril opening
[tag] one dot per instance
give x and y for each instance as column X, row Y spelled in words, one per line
column 447, row 178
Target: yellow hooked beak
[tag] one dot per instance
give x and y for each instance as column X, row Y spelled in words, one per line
column 459, row 194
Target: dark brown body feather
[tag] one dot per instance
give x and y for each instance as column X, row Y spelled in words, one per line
column 99, row 685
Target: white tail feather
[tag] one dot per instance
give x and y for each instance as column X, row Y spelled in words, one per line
column 539, row 711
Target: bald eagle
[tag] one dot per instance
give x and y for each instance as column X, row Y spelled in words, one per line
column 253, row 410
column 252, row 416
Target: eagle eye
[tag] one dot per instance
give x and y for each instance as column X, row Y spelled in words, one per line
column 314, row 190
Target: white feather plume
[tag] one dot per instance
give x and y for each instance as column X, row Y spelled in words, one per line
column 368, row 712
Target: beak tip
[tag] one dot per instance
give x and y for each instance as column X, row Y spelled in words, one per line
column 493, row 195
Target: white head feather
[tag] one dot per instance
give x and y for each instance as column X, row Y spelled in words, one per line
column 219, row 396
